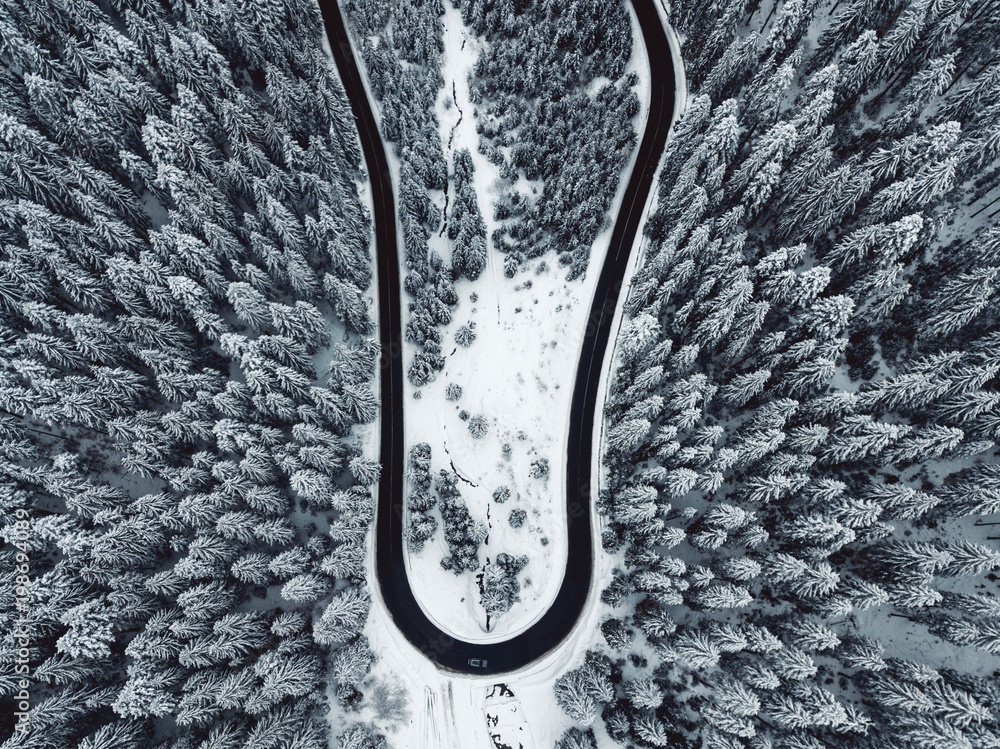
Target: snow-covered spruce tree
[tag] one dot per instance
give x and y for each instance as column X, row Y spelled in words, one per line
column 182, row 240
column 806, row 386
column 479, row 427
column 574, row 738
column 361, row 737
column 465, row 335
column 465, row 224
column 499, row 588
column 462, row 534
column 582, row 691
column 517, row 517
column 421, row 525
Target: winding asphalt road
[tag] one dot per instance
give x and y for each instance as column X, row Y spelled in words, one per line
column 558, row 621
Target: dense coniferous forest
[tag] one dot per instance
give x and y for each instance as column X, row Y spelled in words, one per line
column 184, row 349
column 555, row 106
column 801, row 459
column 401, row 45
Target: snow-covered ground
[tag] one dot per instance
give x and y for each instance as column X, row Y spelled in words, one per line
column 518, row 373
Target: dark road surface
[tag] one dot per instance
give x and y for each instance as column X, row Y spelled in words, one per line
column 558, row 621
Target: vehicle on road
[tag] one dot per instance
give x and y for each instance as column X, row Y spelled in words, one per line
column 478, row 662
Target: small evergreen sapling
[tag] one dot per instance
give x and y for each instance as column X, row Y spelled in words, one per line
column 479, row 427
column 517, row 518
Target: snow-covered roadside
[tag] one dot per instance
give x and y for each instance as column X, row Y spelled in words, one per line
column 595, row 611
column 369, row 436
column 636, row 256
column 680, row 78
column 518, row 373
